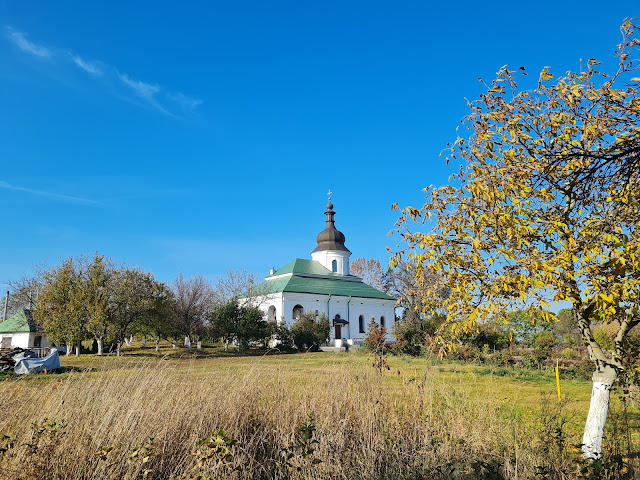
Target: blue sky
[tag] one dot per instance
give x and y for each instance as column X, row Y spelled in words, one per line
column 202, row 136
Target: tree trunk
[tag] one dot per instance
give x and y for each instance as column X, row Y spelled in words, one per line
column 78, row 347
column 69, row 348
column 144, row 342
column 119, row 349
column 603, row 380
column 199, row 344
column 226, row 345
column 100, row 343
column 157, row 344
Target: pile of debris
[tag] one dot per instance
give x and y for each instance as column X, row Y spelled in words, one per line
column 9, row 359
column 23, row 361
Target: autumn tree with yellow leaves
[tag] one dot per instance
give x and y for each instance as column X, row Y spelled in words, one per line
column 545, row 208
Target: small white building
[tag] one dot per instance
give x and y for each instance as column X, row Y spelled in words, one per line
column 20, row 330
column 325, row 285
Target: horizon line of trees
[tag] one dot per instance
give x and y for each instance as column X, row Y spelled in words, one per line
column 93, row 298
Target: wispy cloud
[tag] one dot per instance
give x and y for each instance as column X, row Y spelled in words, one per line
column 25, row 45
column 186, row 102
column 145, row 91
column 141, row 89
column 109, row 78
column 89, row 67
column 52, row 195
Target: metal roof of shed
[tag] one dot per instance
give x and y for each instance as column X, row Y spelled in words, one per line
column 21, row 321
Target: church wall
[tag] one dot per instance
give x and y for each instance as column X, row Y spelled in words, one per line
column 264, row 303
column 326, row 257
column 371, row 308
column 348, row 310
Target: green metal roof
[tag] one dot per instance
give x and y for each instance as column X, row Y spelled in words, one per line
column 322, row 286
column 310, row 276
column 300, row 265
column 21, row 321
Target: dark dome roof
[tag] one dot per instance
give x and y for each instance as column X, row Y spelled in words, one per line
column 330, row 238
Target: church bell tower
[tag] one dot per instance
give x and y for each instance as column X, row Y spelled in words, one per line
column 331, row 251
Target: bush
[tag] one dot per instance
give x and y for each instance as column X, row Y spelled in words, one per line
column 376, row 339
column 310, row 330
column 412, row 332
column 281, row 335
column 532, row 360
column 501, row 358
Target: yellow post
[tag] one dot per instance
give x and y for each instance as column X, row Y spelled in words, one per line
column 558, row 380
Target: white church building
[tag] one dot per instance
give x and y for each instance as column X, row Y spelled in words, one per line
column 325, row 285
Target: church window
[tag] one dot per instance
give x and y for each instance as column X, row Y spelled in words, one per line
column 271, row 314
column 361, row 324
column 298, row 310
column 382, row 322
column 334, row 265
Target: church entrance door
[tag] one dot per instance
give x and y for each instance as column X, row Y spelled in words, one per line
column 338, row 332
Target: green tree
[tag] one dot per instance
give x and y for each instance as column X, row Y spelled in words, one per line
column 159, row 320
column 516, row 226
column 240, row 324
column 223, row 319
column 134, row 294
column 251, row 325
column 310, row 330
column 525, row 324
column 97, row 283
column 566, row 329
column 61, row 306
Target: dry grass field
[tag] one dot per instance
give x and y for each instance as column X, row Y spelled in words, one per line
column 180, row 416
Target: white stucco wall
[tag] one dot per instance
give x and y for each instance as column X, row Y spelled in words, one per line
column 348, row 309
column 326, row 257
column 25, row 339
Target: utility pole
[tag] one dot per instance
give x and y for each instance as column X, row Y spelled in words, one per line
column 6, row 303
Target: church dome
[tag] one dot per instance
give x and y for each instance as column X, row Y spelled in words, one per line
column 330, row 238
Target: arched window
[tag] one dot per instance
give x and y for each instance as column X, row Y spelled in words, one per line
column 382, row 322
column 298, row 310
column 361, row 324
column 334, row 265
column 271, row 314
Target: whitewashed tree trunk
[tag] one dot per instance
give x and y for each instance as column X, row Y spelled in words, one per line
column 78, row 347
column 69, row 348
column 603, row 380
column 100, row 343
column 157, row 344
column 119, row 349
column 129, row 341
column 226, row 345
column 173, row 345
column 144, row 342
column 199, row 344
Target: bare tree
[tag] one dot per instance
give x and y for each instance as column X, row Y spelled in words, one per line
column 371, row 272
column 25, row 290
column 243, row 285
column 194, row 299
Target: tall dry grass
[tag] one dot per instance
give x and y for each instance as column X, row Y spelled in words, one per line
column 90, row 424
